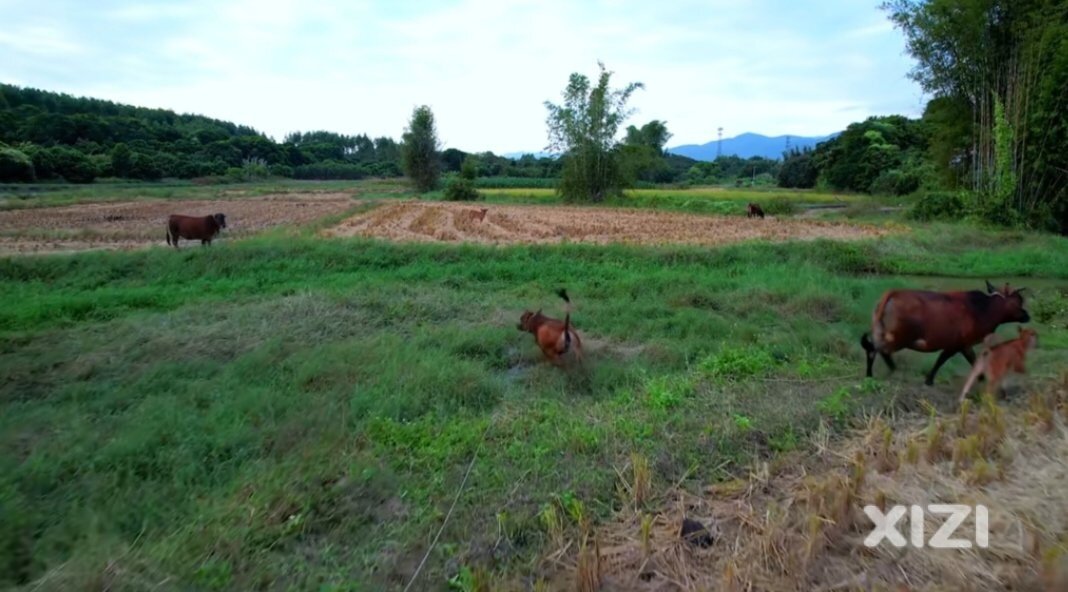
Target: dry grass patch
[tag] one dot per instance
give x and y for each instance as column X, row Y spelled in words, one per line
column 448, row 222
column 126, row 225
column 798, row 523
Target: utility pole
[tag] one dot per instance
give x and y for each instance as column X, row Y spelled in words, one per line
column 719, row 144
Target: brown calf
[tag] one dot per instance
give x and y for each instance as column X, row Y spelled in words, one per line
column 753, row 211
column 998, row 360
column 479, row 214
column 202, row 228
column 554, row 337
column 950, row 322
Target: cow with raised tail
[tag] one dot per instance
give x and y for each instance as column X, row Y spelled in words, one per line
column 948, row 322
column 202, row 228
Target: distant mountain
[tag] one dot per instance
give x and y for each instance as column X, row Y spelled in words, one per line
column 747, row 145
column 518, row 155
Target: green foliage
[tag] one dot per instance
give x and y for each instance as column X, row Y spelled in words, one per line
column 149, row 144
column 738, row 363
column 837, row 405
column 741, row 422
column 15, row 165
column 992, row 66
column 515, row 183
column 798, row 169
column 894, row 182
column 469, row 168
column 857, row 157
column 460, row 188
column 62, row 162
column 997, row 204
column 938, row 205
column 584, row 129
column 780, row 206
column 667, row 392
column 420, row 150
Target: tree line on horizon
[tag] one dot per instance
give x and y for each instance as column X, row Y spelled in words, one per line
column 48, row 136
column 992, row 143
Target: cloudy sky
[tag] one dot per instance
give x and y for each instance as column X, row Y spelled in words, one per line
column 484, row 66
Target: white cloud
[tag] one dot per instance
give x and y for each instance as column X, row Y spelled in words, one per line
column 40, row 40
column 484, row 66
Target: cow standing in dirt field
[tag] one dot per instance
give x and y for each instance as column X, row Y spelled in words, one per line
column 754, row 211
column 202, row 228
column 949, row 322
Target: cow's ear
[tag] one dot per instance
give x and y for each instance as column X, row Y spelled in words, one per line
column 990, row 289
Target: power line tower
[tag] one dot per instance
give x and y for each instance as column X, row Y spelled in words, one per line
column 719, row 143
column 787, row 144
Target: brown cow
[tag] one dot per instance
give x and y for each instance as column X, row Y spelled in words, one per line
column 479, row 214
column 950, row 322
column 202, row 228
column 554, row 337
column 998, row 360
column 754, row 210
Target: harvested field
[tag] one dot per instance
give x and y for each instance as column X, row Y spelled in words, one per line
column 798, row 524
column 447, row 222
column 134, row 224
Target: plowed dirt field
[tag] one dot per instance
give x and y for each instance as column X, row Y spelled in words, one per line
column 449, row 222
column 128, row 225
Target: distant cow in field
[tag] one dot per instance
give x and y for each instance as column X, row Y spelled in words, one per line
column 202, row 228
column 479, row 214
column 754, row 211
column 950, row 322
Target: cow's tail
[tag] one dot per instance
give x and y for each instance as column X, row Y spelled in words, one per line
column 865, row 342
column 878, row 330
column 168, row 237
column 562, row 293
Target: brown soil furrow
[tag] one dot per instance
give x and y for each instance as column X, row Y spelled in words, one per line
column 127, row 225
column 448, row 222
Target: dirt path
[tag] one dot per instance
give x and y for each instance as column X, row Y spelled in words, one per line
column 450, row 222
column 135, row 224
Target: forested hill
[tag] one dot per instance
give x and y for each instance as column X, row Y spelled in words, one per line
column 46, row 135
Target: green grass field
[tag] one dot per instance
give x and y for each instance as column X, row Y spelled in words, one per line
column 292, row 412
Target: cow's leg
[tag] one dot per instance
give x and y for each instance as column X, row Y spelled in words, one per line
column 969, row 354
column 942, row 357
column 870, row 354
column 889, row 361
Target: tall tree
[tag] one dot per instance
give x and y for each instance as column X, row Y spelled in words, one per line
column 583, row 128
column 1006, row 61
column 420, row 150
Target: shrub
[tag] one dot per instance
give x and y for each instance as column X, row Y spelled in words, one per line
column 736, row 363
column 837, row 405
column 937, row 205
column 780, row 206
column 461, row 189
column 666, row 392
column 15, row 165
column 62, row 161
column 894, row 182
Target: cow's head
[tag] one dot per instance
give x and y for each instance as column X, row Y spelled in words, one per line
column 1030, row 337
column 220, row 219
column 527, row 321
column 1014, row 311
